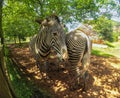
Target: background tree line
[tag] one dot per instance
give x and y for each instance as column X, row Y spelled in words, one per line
column 18, row 16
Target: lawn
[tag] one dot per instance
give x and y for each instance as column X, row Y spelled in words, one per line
column 109, row 52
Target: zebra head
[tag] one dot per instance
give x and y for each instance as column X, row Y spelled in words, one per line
column 54, row 36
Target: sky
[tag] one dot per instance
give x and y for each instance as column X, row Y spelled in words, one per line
column 116, row 19
column 74, row 25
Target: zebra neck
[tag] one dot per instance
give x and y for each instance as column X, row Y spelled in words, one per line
column 42, row 54
column 44, row 49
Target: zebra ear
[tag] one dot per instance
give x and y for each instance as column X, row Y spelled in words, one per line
column 42, row 22
column 50, row 23
column 56, row 17
column 45, row 22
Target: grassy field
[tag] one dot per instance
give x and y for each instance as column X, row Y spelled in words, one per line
column 112, row 51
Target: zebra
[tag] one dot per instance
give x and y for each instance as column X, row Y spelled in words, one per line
column 50, row 40
column 79, row 48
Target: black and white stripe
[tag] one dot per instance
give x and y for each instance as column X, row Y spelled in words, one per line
column 51, row 38
column 79, row 50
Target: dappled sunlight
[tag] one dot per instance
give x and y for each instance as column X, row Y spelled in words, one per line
column 59, row 86
column 115, row 65
column 103, row 82
column 97, row 81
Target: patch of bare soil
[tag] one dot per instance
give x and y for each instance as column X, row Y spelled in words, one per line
column 104, row 80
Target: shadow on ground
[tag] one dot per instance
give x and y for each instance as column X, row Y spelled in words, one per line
column 104, row 81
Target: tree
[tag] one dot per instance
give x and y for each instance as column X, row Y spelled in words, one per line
column 1, row 33
column 104, row 27
column 68, row 10
column 18, row 21
column 19, row 16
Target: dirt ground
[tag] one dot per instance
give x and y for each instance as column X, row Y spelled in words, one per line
column 104, row 80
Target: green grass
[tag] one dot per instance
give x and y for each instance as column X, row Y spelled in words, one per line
column 112, row 50
column 109, row 44
column 22, row 88
column 100, row 53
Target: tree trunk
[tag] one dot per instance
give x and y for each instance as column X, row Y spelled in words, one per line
column 19, row 39
column 1, row 33
column 14, row 39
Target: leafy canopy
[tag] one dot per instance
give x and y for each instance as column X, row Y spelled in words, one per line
column 19, row 15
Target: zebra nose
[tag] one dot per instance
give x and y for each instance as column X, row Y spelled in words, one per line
column 65, row 55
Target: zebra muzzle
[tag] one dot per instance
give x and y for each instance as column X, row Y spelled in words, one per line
column 64, row 54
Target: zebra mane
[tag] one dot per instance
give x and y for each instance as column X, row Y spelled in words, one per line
column 47, row 20
column 55, row 17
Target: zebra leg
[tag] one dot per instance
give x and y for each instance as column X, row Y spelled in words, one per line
column 71, row 75
column 38, row 65
column 46, row 64
column 78, row 75
column 40, row 68
column 85, row 64
column 74, row 73
column 60, row 66
column 85, row 77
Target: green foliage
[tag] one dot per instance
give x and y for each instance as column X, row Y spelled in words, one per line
column 18, row 16
column 22, row 88
column 116, row 29
column 18, row 21
column 104, row 27
column 1, row 32
column 100, row 53
column 115, row 36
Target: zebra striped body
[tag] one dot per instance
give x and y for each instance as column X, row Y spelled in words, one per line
column 79, row 50
column 49, row 40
